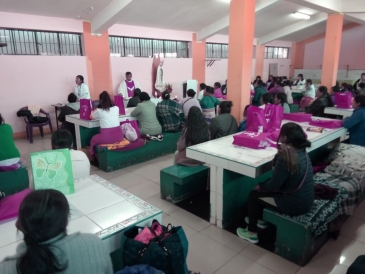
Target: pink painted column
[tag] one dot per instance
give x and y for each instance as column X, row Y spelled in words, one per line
column 260, row 58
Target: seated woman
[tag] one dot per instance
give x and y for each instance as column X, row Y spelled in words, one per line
column 146, row 116
column 334, row 90
column 323, row 100
column 188, row 102
column 110, row 130
column 62, row 138
column 310, row 90
column 243, row 124
column 167, row 112
column 196, row 131
column 9, row 154
column 288, row 92
column 290, row 189
column 356, row 122
column 300, row 81
column 266, row 99
column 259, row 92
column 258, row 78
column 47, row 248
column 224, row 124
column 280, row 99
column 73, row 107
column 278, row 88
column 133, row 102
column 217, row 90
column 208, row 103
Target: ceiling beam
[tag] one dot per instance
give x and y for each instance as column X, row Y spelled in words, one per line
column 356, row 17
column 108, row 16
column 353, row 6
column 327, row 6
column 314, row 20
column 223, row 23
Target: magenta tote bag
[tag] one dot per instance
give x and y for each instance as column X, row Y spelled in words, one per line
column 343, row 100
column 274, row 116
column 326, row 123
column 298, row 117
column 254, row 140
column 119, row 102
column 9, row 206
column 256, row 119
column 85, row 109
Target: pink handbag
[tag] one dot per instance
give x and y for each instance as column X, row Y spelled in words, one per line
column 298, row 117
column 254, row 140
column 274, row 116
column 326, row 123
column 149, row 233
column 305, row 101
column 134, row 124
column 85, row 109
column 9, row 206
column 343, row 100
column 256, row 119
column 119, row 102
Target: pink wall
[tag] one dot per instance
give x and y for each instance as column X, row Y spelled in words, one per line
column 176, row 71
column 26, row 21
column 41, row 80
column 352, row 51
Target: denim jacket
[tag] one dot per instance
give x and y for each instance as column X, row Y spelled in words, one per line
column 356, row 126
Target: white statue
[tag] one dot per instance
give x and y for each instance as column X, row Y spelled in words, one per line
column 160, row 83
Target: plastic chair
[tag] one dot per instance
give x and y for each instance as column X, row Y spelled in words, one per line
column 29, row 126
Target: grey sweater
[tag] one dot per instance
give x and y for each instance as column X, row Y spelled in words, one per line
column 84, row 253
column 223, row 125
column 147, row 119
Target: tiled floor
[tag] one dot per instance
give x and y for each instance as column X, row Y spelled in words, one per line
column 212, row 250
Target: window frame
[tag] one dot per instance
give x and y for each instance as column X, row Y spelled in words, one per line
column 223, row 53
column 274, row 52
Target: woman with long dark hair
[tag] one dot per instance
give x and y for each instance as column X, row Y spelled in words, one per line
column 43, row 218
column 323, row 100
column 281, row 99
column 108, row 114
column 290, row 189
column 196, row 131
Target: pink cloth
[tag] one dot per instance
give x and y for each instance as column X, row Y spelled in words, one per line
column 10, row 168
column 106, row 136
column 218, row 93
column 9, row 206
column 130, row 88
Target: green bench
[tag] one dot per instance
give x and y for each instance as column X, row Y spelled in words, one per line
column 14, row 181
column 178, row 183
column 110, row 160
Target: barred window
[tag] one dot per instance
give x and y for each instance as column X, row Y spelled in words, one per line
column 217, row 50
column 276, row 53
column 143, row 47
column 30, row 42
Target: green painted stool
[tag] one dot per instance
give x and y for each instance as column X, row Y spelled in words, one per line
column 14, row 181
column 180, row 182
column 294, row 108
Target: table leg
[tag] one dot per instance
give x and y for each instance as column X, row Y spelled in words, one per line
column 56, row 108
column 216, row 197
column 78, row 136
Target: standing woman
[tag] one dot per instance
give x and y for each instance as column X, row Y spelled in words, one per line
column 110, row 130
column 81, row 89
column 47, row 248
column 290, row 189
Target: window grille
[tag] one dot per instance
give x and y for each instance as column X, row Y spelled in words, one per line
column 276, row 53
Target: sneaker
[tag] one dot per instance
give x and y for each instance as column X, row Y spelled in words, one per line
column 160, row 137
column 261, row 223
column 243, row 233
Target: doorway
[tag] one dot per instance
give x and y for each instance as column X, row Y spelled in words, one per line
column 273, row 69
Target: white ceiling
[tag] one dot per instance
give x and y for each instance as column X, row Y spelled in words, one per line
column 188, row 15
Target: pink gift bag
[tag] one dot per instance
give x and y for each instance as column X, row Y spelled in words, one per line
column 134, row 124
column 343, row 99
column 298, row 117
column 9, row 206
column 326, row 123
column 256, row 119
column 146, row 235
column 86, row 107
column 119, row 102
column 274, row 116
column 254, row 140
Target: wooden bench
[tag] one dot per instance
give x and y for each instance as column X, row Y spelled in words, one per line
column 110, row 160
column 178, row 183
column 14, row 181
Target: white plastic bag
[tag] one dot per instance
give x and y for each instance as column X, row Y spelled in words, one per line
column 129, row 132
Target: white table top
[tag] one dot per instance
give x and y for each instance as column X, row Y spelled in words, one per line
column 339, row 111
column 251, row 162
column 97, row 207
column 75, row 119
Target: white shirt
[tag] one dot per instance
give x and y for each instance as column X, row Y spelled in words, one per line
column 187, row 103
column 108, row 119
column 201, row 95
column 80, row 164
column 123, row 89
column 289, row 95
column 310, row 91
column 82, row 91
column 300, row 83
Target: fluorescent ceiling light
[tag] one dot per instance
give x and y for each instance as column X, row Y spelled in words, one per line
column 301, row 15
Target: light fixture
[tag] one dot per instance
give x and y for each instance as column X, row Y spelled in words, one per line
column 301, row 15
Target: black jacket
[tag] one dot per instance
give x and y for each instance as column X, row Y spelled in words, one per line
column 318, row 106
column 133, row 102
column 62, row 118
